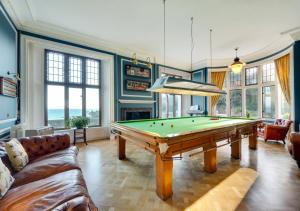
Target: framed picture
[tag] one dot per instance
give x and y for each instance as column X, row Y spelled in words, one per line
column 137, row 71
column 137, row 85
column 8, row 87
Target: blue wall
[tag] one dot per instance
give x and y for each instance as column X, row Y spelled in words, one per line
column 297, row 84
column 8, row 62
column 200, row 76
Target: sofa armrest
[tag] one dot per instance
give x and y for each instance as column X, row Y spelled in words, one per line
column 295, row 145
column 41, row 145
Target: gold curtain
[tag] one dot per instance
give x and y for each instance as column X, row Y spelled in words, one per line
column 283, row 69
column 218, row 79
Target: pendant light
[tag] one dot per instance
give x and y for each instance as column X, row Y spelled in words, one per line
column 237, row 65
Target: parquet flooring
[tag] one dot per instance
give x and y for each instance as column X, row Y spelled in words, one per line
column 266, row 179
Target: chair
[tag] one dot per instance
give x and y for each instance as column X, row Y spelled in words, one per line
column 294, row 147
column 276, row 131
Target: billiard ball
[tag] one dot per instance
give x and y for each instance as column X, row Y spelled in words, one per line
column 162, row 124
column 193, row 120
column 154, row 123
column 172, row 125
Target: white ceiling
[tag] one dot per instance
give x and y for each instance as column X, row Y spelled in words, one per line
column 127, row 26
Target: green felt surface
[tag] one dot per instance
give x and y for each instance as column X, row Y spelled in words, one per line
column 163, row 127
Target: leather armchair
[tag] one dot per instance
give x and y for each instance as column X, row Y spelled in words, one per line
column 276, row 131
column 294, row 146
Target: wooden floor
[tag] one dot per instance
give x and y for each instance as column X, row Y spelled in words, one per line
column 266, row 179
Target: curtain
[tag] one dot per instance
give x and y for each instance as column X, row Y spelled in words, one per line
column 283, row 69
column 218, row 79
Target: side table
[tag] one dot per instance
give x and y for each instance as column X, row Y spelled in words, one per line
column 80, row 134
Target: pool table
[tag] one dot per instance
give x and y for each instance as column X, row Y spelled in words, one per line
column 169, row 138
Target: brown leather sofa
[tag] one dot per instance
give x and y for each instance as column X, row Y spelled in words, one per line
column 52, row 180
column 276, row 131
column 294, row 147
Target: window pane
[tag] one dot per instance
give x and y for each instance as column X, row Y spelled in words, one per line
column 236, row 103
column 177, row 105
column 268, row 72
column 75, row 70
column 164, row 105
column 251, row 76
column 235, row 79
column 56, row 106
column 284, row 106
column 55, row 67
column 269, row 102
column 92, row 72
column 92, row 105
column 170, row 100
column 252, row 102
column 75, row 102
column 221, row 105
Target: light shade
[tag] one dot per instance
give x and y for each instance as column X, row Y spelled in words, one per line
column 171, row 85
column 237, row 65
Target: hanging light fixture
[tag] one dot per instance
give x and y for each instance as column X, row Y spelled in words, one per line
column 134, row 59
column 237, row 65
column 149, row 65
column 178, row 86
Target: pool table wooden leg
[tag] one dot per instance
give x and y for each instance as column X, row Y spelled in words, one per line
column 121, row 147
column 210, row 157
column 253, row 139
column 236, row 147
column 164, row 171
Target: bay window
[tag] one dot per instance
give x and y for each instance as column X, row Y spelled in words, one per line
column 254, row 91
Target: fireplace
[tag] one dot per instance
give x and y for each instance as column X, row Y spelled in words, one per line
column 136, row 113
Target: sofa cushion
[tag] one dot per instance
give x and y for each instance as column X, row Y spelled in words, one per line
column 46, row 194
column 17, row 154
column 6, row 180
column 47, row 165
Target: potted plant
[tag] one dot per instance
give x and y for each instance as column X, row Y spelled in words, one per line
column 78, row 122
column 247, row 115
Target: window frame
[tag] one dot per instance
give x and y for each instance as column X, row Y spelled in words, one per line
column 67, row 84
column 257, row 76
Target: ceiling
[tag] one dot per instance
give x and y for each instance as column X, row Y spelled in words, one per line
column 257, row 27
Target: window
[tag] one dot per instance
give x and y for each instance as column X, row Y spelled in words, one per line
column 92, row 72
column 55, row 64
column 221, row 106
column 92, row 105
column 72, row 88
column 284, row 108
column 251, row 76
column 236, row 102
column 171, row 104
column 268, row 72
column 56, row 106
column 235, row 79
column 75, row 70
column 269, row 102
column 252, row 102
column 75, row 102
